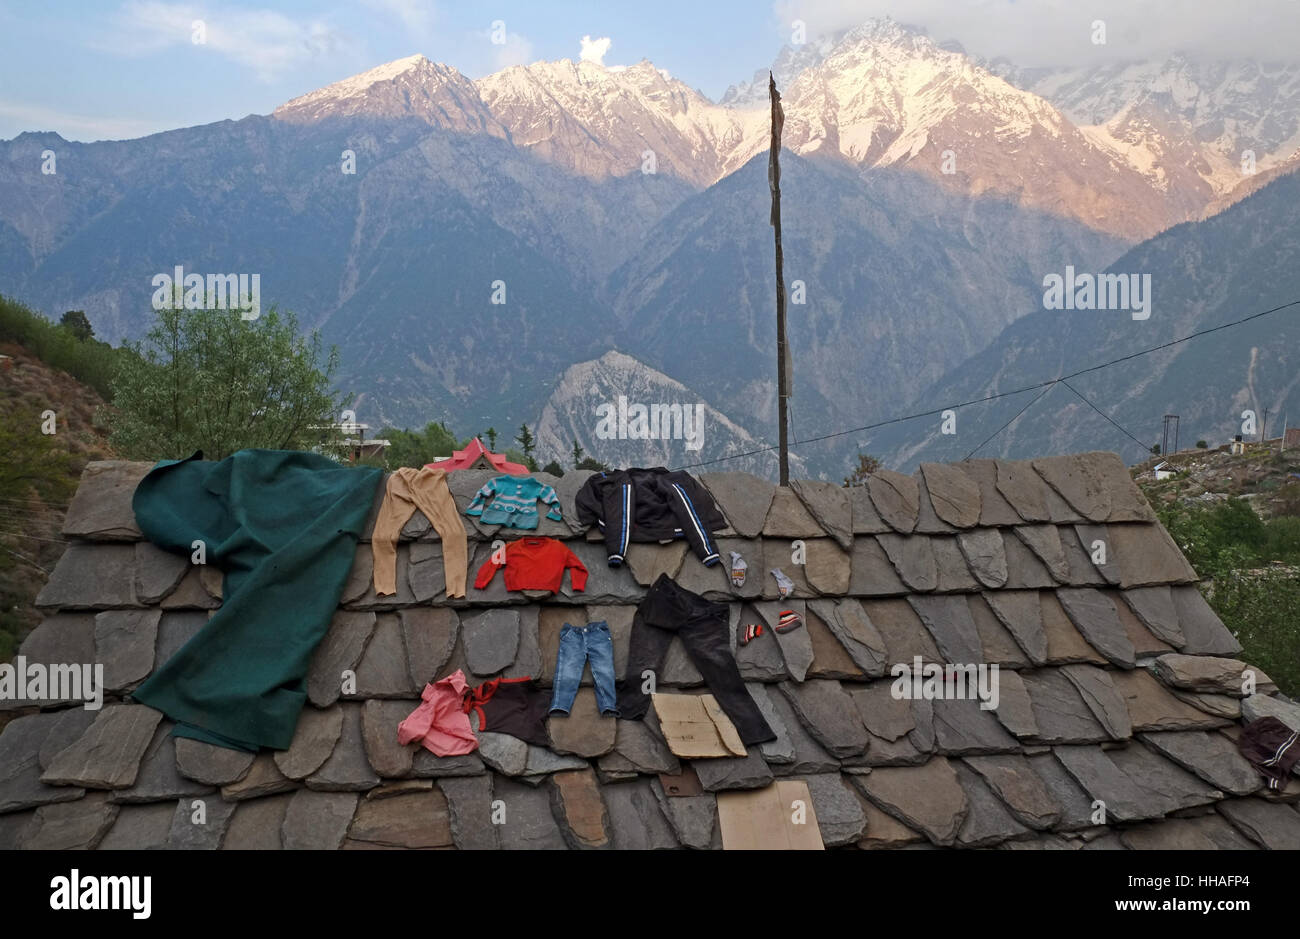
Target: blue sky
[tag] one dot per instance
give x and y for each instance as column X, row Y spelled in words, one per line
column 92, row 69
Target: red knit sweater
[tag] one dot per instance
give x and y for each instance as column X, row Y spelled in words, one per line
column 535, row 564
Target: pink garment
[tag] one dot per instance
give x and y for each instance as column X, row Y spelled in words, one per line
column 440, row 723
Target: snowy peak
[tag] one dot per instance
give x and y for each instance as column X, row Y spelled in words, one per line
column 601, row 121
column 409, row 87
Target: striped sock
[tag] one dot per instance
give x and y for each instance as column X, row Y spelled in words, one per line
column 789, row 620
column 749, row 633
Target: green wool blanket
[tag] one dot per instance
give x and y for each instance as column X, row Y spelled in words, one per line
column 283, row 527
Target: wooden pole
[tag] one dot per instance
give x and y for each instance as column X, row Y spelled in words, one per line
column 782, row 373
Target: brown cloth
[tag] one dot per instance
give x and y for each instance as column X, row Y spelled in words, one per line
column 1272, row 747
column 425, row 489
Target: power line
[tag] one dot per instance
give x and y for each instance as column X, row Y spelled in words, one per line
column 1105, row 415
column 1012, row 421
column 1003, row 394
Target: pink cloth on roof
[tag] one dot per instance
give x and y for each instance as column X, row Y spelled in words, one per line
column 440, row 722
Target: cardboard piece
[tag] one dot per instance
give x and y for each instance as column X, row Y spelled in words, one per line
column 779, row 817
column 695, row 727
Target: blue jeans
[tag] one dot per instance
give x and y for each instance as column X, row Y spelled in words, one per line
column 578, row 646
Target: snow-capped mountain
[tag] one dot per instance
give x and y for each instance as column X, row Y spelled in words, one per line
column 1183, row 115
column 601, row 120
column 413, row 86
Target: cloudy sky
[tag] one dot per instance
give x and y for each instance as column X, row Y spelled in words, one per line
column 91, row 69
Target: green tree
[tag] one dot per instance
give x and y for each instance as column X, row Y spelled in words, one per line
column 866, row 466
column 591, row 463
column 210, row 380
column 35, row 463
column 554, row 468
column 528, row 444
column 418, row 447
column 75, row 322
column 578, row 452
column 491, row 434
column 1202, row 445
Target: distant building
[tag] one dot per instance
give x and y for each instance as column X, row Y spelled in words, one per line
column 1238, row 447
column 1291, row 439
column 477, row 456
column 1164, row 471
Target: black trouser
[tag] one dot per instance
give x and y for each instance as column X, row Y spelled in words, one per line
column 669, row 610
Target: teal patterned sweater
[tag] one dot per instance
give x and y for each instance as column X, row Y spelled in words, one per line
column 512, row 501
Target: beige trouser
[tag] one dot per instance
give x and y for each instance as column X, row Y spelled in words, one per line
column 424, row 489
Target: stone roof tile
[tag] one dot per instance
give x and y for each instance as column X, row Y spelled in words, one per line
column 954, row 495
column 988, row 822
column 744, row 499
column 101, row 507
column 866, row 520
column 872, row 574
column 928, row 798
column 896, row 498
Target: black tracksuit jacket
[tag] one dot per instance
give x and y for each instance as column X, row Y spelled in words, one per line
column 650, row 505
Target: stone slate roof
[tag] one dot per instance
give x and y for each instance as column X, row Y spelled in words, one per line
column 1114, row 684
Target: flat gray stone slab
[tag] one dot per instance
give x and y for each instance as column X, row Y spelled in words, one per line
column 636, row 819
column 949, row 621
column 1203, row 631
column 747, row 772
column 426, row 575
column 830, row 657
column 347, row 768
column 157, row 572
column 92, row 577
column 1105, row 702
column 416, row 819
column 896, row 498
column 313, row 741
column 317, row 821
column 579, row 808
column 140, row 828
column 1020, row 611
column 1045, row 542
column 64, row 644
column 954, row 495
column 1149, row 769
column 904, row 633
column 1076, row 804
column 638, row 749
column 529, row 822
column 469, row 809
column 795, row 644
column 1077, row 480
column 70, row 826
column 1021, row 789
column 1272, row 824
column 199, row 824
column 788, row 518
column 962, row 727
column 339, row 651
column 20, row 767
column 1259, row 705
column 66, row 727
column 1059, row 710
column 693, row 818
column 108, row 755
column 1023, row 489
column 999, row 646
column 829, row 715
column 1152, row 707
column 829, row 506
column 806, row 755
column 158, row 779
column 866, row 520
column 425, row 765
column 928, row 798
column 124, row 644
column 263, row 779
column 827, row 567
column 1211, row 756
column 985, row 555
column 782, row 749
column 1146, row 555
column 584, row 732
column 101, row 507
column 913, row 559
column 256, row 824
column 743, row 498
column 840, row 816
column 379, row 722
column 1124, row 799
column 382, row 671
column 872, row 573
column 995, row 510
column 210, row 765
column 1015, row 710
column 761, row 659
column 176, row 628
column 954, row 574
column 989, row 821
column 1154, row 606
column 1209, row 673
column 1025, row 571
column 648, row 561
column 605, row 584
column 491, row 639
column 503, row 753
